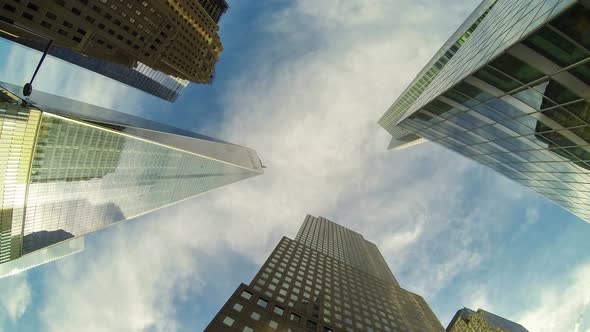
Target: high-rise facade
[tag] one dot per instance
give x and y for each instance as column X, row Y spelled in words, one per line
column 511, row 90
column 328, row 279
column 176, row 37
column 140, row 77
column 467, row 320
column 69, row 172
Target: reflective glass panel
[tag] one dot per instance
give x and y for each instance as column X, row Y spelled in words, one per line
column 582, row 72
column 575, row 23
column 554, row 47
column 516, row 68
column 497, row 79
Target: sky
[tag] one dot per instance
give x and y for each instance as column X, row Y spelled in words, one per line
column 304, row 82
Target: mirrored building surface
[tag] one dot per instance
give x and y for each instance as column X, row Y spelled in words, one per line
column 328, row 279
column 513, row 93
column 140, row 77
column 63, row 176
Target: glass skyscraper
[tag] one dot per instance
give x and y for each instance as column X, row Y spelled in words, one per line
column 467, row 320
column 140, row 77
column 511, row 90
column 328, row 279
column 67, row 170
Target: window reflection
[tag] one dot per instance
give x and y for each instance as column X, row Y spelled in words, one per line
column 554, row 47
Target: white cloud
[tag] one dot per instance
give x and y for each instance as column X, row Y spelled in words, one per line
column 16, row 297
column 563, row 305
column 312, row 118
column 532, row 215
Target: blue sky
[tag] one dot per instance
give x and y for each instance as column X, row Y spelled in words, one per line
column 304, row 82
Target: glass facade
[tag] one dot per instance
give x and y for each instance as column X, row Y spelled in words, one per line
column 433, row 68
column 141, row 77
column 64, row 177
column 516, row 98
column 42, row 256
column 328, row 279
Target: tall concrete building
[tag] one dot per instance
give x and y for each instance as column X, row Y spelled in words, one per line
column 510, row 90
column 176, row 37
column 68, row 169
column 140, row 77
column 328, row 279
column 467, row 320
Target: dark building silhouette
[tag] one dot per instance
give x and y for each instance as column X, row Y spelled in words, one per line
column 42, row 239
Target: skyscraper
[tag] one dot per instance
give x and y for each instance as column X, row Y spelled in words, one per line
column 467, row 320
column 328, row 279
column 70, row 168
column 510, row 90
column 140, row 77
column 176, row 37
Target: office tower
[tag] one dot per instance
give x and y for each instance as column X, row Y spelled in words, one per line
column 511, row 90
column 467, row 320
column 140, row 77
column 176, row 37
column 68, row 169
column 328, row 279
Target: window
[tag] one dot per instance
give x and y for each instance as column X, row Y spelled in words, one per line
column 497, row 79
column 554, row 47
column 248, row 329
column 255, row 316
column 296, row 318
column 575, row 23
column 559, row 94
column 238, row 307
column 517, row 68
column 262, row 303
column 247, row 295
column 582, row 72
column 32, row 6
column 278, row 310
column 27, row 16
column 9, row 8
column 273, row 325
column 311, row 325
column 228, row 321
